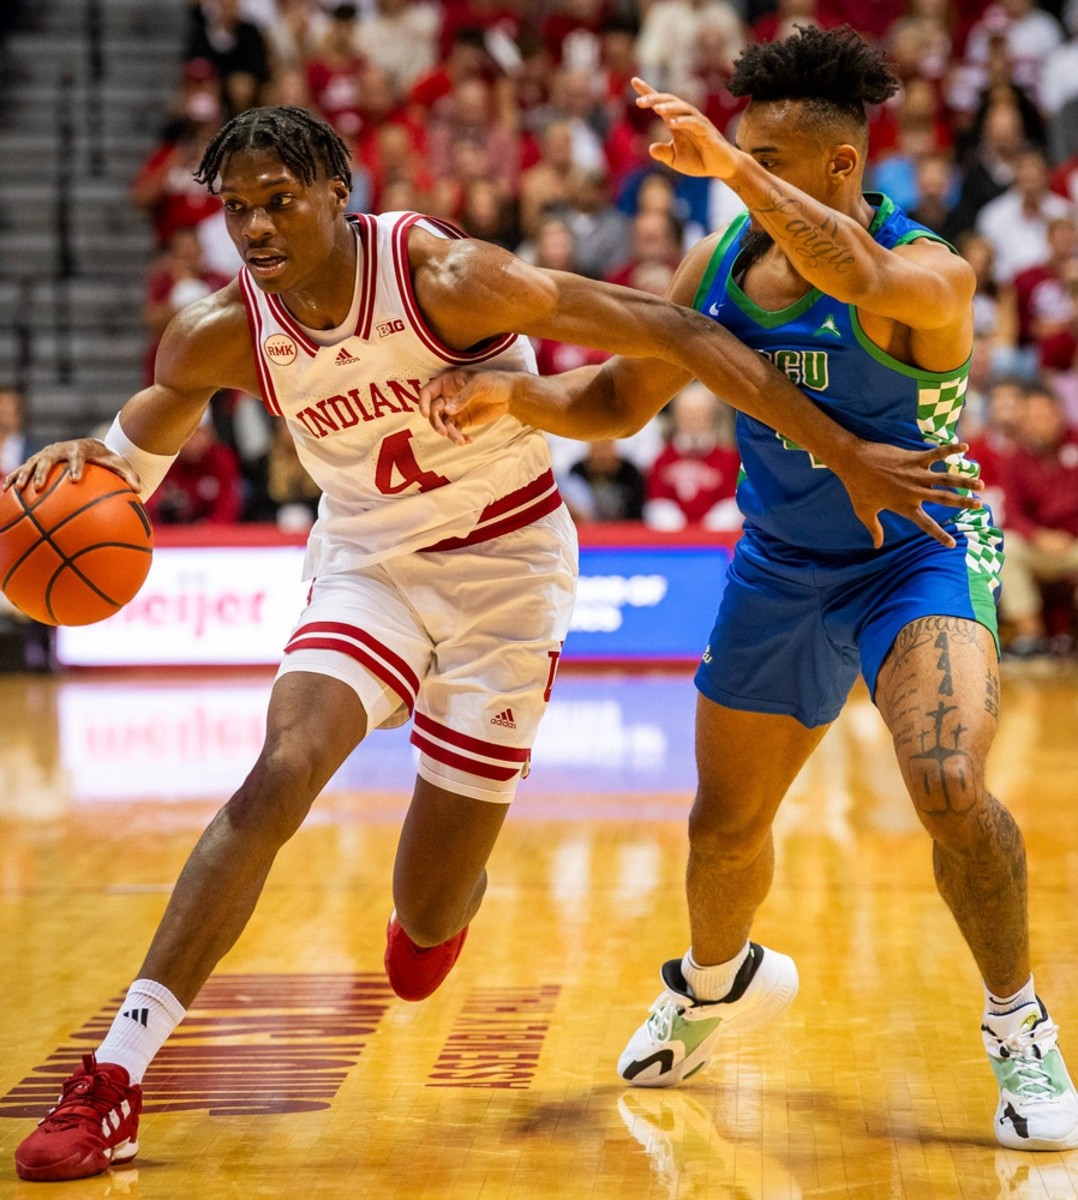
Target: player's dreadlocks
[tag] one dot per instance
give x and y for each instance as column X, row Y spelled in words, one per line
column 304, row 143
column 834, row 71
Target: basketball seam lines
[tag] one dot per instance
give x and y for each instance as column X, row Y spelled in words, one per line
column 28, row 508
column 65, row 560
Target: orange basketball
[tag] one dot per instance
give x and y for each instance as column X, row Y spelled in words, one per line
column 73, row 553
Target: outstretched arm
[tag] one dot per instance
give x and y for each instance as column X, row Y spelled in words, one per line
column 620, row 396
column 470, row 291
column 921, row 285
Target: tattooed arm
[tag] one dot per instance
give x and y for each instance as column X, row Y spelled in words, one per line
column 921, row 286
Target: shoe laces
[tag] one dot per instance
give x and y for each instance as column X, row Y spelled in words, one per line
column 666, row 1009
column 84, row 1097
column 1025, row 1051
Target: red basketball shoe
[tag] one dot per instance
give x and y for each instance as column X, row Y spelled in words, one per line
column 93, row 1126
column 416, row 971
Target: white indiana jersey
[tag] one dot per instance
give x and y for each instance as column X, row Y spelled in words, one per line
column 390, row 484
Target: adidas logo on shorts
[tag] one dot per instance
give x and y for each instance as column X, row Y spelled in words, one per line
column 504, row 718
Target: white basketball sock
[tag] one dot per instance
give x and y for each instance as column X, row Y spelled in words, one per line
column 148, row 1015
column 998, row 1005
column 714, row 982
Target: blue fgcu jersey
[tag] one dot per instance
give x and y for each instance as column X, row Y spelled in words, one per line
column 792, row 503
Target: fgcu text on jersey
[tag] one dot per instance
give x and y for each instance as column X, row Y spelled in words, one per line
column 390, row 485
column 789, row 498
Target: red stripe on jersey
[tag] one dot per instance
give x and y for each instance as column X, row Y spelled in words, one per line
column 509, row 524
column 426, row 335
column 449, row 759
column 361, row 656
column 361, row 635
column 254, row 323
column 530, row 491
column 291, row 324
column 368, row 238
column 464, row 742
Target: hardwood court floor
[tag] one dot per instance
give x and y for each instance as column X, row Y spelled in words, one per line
column 297, row 1074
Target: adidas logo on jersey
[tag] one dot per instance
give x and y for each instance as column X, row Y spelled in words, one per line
column 344, row 359
column 504, row 718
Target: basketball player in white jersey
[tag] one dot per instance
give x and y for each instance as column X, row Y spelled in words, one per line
column 443, row 580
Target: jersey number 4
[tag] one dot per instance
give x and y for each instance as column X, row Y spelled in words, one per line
column 397, row 468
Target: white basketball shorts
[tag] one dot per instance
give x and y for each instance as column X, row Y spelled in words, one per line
column 465, row 641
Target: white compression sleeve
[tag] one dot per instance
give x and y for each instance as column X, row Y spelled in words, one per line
column 151, row 468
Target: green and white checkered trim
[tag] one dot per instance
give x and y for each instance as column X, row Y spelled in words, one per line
column 984, row 544
column 939, row 405
column 984, row 562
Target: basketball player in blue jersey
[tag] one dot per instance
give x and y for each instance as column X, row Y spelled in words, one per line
column 870, row 315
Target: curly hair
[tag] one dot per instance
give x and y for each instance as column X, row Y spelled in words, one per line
column 306, row 144
column 833, row 70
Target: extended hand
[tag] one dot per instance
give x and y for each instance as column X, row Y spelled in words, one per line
column 881, row 476
column 75, row 453
column 698, row 148
column 457, row 401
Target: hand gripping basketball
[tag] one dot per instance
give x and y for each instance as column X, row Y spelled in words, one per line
column 73, row 552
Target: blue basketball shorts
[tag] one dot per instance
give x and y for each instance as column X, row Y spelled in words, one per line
column 791, row 639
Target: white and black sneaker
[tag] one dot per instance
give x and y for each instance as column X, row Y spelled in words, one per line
column 678, row 1037
column 1038, row 1106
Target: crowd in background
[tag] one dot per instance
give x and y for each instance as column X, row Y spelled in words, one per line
column 516, row 122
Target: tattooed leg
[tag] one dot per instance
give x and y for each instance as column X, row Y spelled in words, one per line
column 938, row 692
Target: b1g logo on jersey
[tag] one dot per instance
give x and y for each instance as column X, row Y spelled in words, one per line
column 280, row 349
column 806, row 367
column 388, row 327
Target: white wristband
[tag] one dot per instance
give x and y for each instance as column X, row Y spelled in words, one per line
column 151, row 468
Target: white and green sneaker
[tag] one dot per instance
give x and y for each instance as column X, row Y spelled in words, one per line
column 677, row 1039
column 1038, row 1106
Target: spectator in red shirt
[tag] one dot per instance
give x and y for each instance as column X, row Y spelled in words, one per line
column 165, row 187
column 1045, row 300
column 694, row 479
column 179, row 278
column 478, row 16
column 197, row 100
column 202, row 486
column 572, row 32
column 334, row 70
column 997, row 440
column 467, row 59
column 1041, row 532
